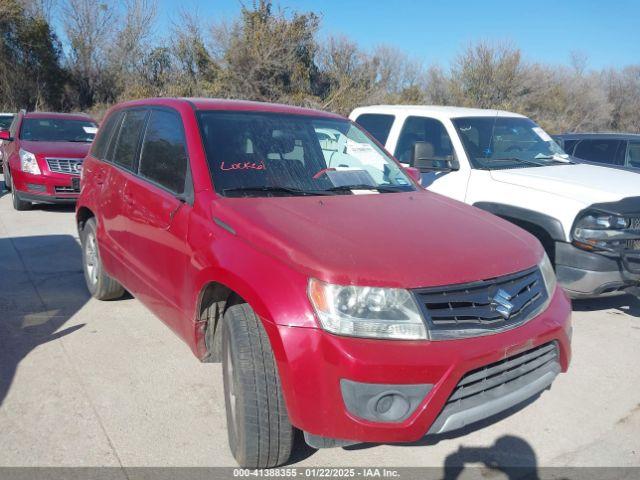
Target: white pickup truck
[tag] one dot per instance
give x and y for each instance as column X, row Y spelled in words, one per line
column 587, row 217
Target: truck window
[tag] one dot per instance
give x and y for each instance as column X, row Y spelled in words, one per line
column 377, row 125
column 423, row 129
column 601, row 151
column 164, row 153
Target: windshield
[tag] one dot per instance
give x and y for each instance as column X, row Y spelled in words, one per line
column 507, row 142
column 264, row 154
column 5, row 121
column 57, row 130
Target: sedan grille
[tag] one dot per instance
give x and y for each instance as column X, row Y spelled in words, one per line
column 483, row 307
column 70, row 166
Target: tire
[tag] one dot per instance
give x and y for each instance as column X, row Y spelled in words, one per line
column 100, row 285
column 259, row 431
column 19, row 204
column 7, row 180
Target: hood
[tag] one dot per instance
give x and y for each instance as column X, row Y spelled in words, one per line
column 405, row 240
column 582, row 182
column 57, row 149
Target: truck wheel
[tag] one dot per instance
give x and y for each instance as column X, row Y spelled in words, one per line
column 260, row 434
column 18, row 203
column 100, row 285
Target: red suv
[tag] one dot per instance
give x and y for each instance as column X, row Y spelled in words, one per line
column 341, row 298
column 42, row 155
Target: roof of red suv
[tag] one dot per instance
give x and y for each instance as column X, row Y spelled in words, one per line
column 232, row 105
column 70, row 116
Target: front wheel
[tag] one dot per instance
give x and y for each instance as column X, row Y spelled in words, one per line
column 259, row 431
column 19, row 204
column 100, row 285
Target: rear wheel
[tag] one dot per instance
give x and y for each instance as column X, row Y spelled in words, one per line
column 18, row 203
column 259, row 431
column 100, row 285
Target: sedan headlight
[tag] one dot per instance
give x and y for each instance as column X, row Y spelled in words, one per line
column 548, row 275
column 28, row 162
column 388, row 313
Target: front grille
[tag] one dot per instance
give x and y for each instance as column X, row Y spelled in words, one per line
column 634, row 224
column 70, row 166
column 474, row 309
column 498, row 386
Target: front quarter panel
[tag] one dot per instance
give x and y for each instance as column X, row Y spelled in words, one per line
column 483, row 188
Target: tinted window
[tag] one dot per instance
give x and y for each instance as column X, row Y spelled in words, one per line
column 568, row 146
column 601, row 151
column 269, row 154
column 377, row 125
column 164, row 154
column 99, row 148
column 422, row 129
column 5, row 121
column 129, row 138
column 633, row 155
column 57, row 130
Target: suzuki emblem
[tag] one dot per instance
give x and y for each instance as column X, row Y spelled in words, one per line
column 502, row 304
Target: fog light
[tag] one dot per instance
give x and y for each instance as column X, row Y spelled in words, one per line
column 384, row 404
column 380, row 402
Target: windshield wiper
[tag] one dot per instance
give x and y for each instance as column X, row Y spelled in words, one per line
column 381, row 188
column 555, row 158
column 272, row 189
column 520, row 160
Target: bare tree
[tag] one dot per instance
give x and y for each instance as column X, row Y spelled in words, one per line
column 90, row 30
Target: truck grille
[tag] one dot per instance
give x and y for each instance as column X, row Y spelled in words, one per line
column 634, row 225
column 483, row 307
column 70, row 166
column 498, row 386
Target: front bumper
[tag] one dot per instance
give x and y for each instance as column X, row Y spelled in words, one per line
column 585, row 274
column 45, row 188
column 312, row 364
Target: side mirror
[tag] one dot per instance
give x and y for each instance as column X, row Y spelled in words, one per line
column 424, row 159
column 5, row 135
column 414, row 173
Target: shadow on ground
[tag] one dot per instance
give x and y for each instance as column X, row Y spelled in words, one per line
column 42, row 285
column 622, row 303
column 510, row 455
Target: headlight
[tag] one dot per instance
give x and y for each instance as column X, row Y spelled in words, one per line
column 389, row 313
column 600, row 230
column 548, row 275
column 28, row 162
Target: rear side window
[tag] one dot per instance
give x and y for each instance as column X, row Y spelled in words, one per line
column 377, row 125
column 99, row 148
column 164, row 154
column 633, row 155
column 423, row 129
column 129, row 139
column 601, row 151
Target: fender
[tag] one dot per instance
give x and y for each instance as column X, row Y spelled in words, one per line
column 551, row 225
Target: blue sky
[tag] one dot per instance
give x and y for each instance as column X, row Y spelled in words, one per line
column 607, row 32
